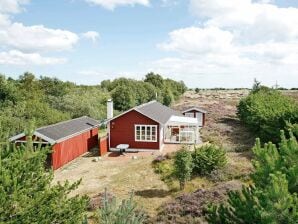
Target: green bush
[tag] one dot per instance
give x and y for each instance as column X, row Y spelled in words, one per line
column 183, row 166
column 266, row 111
column 208, row 158
column 125, row 213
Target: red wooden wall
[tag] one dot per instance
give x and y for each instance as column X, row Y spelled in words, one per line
column 70, row 149
column 122, row 131
column 103, row 145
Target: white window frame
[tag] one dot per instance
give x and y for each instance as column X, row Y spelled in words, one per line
column 146, row 126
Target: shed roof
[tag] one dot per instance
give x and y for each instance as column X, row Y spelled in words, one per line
column 154, row 110
column 196, row 109
column 63, row 130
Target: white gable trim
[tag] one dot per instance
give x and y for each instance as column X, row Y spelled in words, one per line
column 37, row 134
column 196, row 109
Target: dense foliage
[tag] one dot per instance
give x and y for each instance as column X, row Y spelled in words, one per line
column 273, row 196
column 127, row 93
column 208, row 158
column 125, row 213
column 49, row 100
column 27, row 194
column 266, row 111
column 183, row 166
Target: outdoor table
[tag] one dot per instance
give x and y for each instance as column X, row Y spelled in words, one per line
column 122, row 147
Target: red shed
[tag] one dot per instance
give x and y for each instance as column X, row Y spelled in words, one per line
column 69, row 139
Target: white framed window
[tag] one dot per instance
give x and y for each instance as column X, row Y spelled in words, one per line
column 145, row 133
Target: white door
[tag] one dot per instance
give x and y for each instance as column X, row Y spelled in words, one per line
column 199, row 116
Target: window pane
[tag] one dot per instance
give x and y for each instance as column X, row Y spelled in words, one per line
column 148, row 133
column 143, row 132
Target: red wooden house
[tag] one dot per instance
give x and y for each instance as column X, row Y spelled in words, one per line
column 69, row 139
column 149, row 126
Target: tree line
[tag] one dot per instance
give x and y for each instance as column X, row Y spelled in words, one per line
column 127, row 93
column 49, row 100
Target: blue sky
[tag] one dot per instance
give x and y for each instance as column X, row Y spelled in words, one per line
column 206, row 43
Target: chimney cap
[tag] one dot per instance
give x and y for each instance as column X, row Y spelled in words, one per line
column 110, row 100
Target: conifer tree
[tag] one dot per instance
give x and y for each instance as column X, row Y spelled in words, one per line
column 272, row 199
column 183, row 166
column 27, row 194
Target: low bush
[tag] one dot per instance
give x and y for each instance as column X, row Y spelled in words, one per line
column 208, row 158
column 165, row 169
column 267, row 111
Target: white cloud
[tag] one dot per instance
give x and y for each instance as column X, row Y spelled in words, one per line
column 112, row 4
column 37, row 38
column 92, row 35
column 195, row 40
column 15, row 57
column 26, row 44
column 12, row 6
column 235, row 38
column 4, row 20
column 252, row 22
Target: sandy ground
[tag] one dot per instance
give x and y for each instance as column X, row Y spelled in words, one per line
column 120, row 175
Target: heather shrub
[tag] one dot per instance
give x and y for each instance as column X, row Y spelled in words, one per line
column 159, row 159
column 208, row 158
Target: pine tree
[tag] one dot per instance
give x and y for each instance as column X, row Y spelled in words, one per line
column 183, row 166
column 273, row 204
column 271, row 159
column 125, row 213
column 27, row 194
column 272, row 199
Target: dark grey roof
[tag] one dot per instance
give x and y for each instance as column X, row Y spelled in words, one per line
column 157, row 111
column 69, row 128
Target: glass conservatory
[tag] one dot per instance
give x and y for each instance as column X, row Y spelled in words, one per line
column 181, row 130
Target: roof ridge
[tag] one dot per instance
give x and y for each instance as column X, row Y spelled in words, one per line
column 144, row 104
column 62, row 122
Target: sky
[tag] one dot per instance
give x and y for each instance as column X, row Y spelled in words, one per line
column 205, row 43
